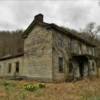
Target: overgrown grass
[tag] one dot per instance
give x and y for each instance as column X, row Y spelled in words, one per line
column 24, row 90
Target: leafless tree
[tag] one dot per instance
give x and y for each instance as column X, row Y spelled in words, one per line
column 92, row 29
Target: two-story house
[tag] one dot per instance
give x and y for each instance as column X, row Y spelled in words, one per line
column 51, row 53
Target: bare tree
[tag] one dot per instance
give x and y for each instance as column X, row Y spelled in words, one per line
column 92, row 29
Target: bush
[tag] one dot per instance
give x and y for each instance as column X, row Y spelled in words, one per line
column 33, row 87
column 41, row 85
column 30, row 87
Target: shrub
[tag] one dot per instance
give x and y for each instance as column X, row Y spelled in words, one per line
column 33, row 87
column 41, row 85
column 30, row 87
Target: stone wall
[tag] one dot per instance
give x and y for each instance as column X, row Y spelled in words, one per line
column 60, row 49
column 4, row 67
column 92, row 67
column 65, row 47
column 38, row 54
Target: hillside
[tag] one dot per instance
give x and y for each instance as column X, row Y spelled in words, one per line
column 11, row 43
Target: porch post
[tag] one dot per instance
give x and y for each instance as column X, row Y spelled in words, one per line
column 86, row 69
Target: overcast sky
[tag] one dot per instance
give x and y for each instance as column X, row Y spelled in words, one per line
column 18, row 14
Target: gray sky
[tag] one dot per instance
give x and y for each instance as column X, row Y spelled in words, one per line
column 18, row 14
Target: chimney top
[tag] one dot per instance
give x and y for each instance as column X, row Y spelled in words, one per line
column 38, row 18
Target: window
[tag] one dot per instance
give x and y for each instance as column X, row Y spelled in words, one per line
column 90, row 50
column 9, row 68
column 93, row 51
column 17, row 67
column 80, row 47
column 60, row 42
column 60, row 64
column 93, row 66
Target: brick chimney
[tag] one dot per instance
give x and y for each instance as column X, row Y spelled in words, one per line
column 38, row 18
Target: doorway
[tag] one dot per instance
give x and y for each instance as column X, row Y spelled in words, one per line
column 81, row 66
column 81, row 69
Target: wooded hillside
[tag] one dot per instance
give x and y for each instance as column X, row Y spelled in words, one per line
column 11, row 43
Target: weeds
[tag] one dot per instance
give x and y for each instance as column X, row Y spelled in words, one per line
column 23, row 95
column 24, row 90
column 33, row 87
column 91, row 98
column 8, row 87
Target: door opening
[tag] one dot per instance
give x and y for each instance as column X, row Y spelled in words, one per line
column 81, row 69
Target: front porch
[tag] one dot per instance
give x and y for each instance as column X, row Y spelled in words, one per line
column 81, row 66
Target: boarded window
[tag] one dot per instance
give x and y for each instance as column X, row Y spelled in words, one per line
column 17, row 67
column 9, row 68
column 61, row 64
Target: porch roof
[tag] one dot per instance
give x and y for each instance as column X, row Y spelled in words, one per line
column 87, row 56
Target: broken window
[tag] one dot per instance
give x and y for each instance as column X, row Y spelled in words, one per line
column 61, row 64
column 9, row 68
column 17, row 67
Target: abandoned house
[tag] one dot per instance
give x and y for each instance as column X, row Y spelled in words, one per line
column 50, row 53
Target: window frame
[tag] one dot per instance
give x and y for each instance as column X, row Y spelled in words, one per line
column 17, row 67
column 61, row 64
column 9, row 67
column 60, row 42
